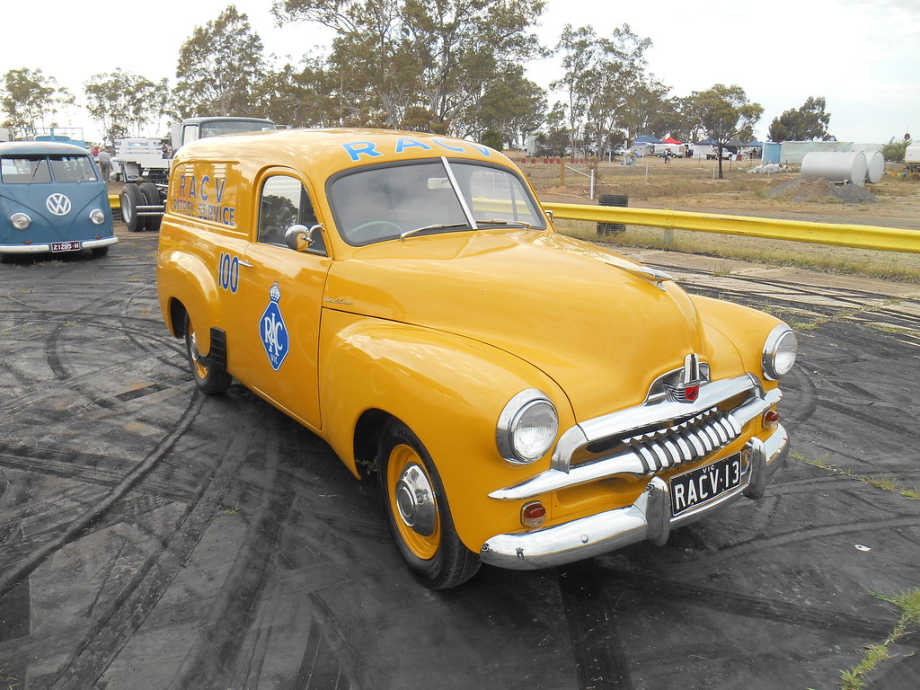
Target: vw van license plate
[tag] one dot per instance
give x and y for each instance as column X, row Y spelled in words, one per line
column 65, row 246
column 690, row 489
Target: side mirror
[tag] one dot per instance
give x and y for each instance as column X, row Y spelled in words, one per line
column 300, row 237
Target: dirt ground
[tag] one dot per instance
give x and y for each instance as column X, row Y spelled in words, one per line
column 152, row 538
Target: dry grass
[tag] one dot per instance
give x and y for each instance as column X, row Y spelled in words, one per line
column 690, row 185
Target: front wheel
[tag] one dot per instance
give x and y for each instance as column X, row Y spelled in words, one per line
column 417, row 512
column 209, row 377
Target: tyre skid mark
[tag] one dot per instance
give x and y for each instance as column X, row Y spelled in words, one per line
column 849, row 625
column 759, row 544
column 78, row 526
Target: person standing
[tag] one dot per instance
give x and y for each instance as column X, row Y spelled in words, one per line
column 105, row 164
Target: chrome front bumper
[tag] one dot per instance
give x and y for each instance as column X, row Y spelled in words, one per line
column 649, row 518
column 46, row 247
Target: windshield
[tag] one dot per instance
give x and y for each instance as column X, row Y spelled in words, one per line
column 387, row 202
column 33, row 169
column 218, row 127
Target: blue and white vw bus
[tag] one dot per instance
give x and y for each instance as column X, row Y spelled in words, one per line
column 52, row 199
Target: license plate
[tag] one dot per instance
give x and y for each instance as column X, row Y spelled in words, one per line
column 65, row 246
column 698, row 486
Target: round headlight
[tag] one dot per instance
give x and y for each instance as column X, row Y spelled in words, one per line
column 97, row 216
column 779, row 352
column 527, row 427
column 20, row 221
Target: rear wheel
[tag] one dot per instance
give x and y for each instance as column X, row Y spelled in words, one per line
column 209, row 377
column 417, row 511
column 151, row 198
column 131, row 198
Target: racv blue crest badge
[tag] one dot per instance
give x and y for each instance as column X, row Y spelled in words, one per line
column 274, row 333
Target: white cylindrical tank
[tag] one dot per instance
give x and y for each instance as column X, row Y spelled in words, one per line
column 875, row 166
column 836, row 166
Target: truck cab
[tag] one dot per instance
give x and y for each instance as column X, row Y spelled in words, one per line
column 144, row 193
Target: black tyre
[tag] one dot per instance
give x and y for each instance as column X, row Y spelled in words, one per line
column 210, row 378
column 151, row 198
column 417, row 511
column 131, row 198
column 611, row 200
column 100, row 251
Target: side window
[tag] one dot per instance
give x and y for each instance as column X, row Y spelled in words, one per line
column 285, row 202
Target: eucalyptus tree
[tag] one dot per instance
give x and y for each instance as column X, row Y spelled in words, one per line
column 220, row 68
column 126, row 104
column 30, row 99
column 397, row 60
column 807, row 123
column 724, row 113
column 601, row 76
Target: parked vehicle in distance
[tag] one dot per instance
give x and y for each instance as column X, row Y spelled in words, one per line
column 52, row 199
column 525, row 399
column 145, row 167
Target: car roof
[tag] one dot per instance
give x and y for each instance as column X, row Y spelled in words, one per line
column 31, row 148
column 326, row 151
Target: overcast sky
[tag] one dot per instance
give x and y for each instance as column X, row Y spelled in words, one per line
column 862, row 57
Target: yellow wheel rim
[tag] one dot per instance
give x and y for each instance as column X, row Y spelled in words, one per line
column 412, row 502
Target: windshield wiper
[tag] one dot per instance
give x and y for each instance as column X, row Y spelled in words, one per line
column 498, row 221
column 441, row 226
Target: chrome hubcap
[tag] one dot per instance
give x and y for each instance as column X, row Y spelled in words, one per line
column 415, row 501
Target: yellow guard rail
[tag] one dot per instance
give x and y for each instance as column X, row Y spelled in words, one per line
column 857, row 236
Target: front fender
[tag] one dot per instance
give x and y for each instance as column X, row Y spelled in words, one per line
column 449, row 390
column 743, row 328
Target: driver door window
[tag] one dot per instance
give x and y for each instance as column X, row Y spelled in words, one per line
column 284, row 202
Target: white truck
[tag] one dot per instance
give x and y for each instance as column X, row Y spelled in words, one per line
column 144, row 165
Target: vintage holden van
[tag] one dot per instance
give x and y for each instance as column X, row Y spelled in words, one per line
column 52, row 199
column 525, row 399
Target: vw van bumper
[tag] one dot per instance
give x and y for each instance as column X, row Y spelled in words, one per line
column 43, row 247
column 649, row 518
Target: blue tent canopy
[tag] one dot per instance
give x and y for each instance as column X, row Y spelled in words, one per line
column 647, row 139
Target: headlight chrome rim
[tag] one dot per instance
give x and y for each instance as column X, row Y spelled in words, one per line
column 524, row 408
column 97, row 216
column 20, row 221
column 779, row 352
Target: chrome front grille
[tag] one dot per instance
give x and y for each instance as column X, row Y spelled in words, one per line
column 647, row 439
column 691, row 440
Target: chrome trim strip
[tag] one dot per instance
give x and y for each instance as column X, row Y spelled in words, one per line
column 647, row 519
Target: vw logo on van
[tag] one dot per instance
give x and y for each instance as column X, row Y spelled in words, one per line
column 58, row 204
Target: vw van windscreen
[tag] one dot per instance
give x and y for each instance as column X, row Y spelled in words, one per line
column 52, row 199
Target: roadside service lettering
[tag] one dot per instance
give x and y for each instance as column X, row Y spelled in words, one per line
column 272, row 330
column 203, row 198
column 228, row 272
column 405, row 144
